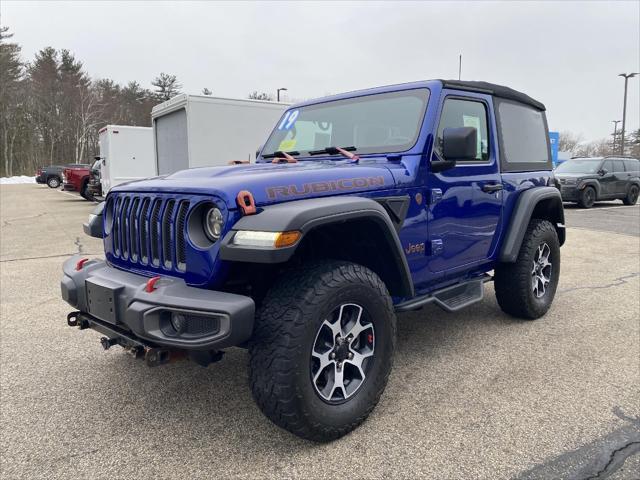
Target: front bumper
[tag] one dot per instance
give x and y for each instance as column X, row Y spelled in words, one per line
column 116, row 302
column 569, row 193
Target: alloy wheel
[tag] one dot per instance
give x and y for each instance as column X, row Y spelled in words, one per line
column 342, row 353
column 541, row 272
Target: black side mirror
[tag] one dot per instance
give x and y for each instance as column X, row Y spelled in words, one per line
column 458, row 144
column 603, row 171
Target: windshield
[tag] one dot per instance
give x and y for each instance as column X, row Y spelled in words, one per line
column 381, row 123
column 578, row 166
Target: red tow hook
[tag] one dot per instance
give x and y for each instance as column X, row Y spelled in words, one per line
column 81, row 263
column 246, row 202
column 151, row 284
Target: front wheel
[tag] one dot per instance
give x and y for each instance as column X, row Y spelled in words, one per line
column 526, row 288
column 322, row 349
column 632, row 195
column 587, row 197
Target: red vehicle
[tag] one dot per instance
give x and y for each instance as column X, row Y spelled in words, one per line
column 76, row 179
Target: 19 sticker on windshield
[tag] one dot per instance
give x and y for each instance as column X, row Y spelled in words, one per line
column 288, row 120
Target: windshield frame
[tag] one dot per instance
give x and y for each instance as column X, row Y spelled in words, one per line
column 393, row 150
column 597, row 161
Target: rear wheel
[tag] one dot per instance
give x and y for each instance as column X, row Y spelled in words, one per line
column 587, row 197
column 53, row 182
column 526, row 288
column 632, row 195
column 322, row 349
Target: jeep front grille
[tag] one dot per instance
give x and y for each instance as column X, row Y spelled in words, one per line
column 149, row 230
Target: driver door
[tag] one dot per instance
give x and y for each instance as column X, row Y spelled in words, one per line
column 466, row 200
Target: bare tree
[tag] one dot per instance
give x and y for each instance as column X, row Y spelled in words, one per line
column 569, row 141
column 260, row 96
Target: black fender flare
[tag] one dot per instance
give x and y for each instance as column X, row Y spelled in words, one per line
column 522, row 214
column 591, row 182
column 306, row 215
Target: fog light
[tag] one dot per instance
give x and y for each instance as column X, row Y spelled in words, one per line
column 178, row 322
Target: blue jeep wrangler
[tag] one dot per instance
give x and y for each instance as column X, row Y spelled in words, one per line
column 359, row 206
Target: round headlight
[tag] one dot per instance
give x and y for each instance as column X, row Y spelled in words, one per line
column 213, row 223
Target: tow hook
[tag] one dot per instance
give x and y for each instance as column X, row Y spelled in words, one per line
column 72, row 319
column 154, row 357
column 107, row 343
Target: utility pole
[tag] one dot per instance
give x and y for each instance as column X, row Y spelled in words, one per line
column 626, row 77
column 615, row 133
column 460, row 67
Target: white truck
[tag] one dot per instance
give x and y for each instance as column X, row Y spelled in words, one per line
column 197, row 130
column 126, row 154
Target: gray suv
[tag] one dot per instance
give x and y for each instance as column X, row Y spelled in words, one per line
column 587, row 180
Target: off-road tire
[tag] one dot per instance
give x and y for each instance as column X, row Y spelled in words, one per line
column 587, row 197
column 513, row 281
column 284, row 334
column 632, row 195
column 83, row 192
column 53, row 182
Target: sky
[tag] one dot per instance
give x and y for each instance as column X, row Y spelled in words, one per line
column 565, row 54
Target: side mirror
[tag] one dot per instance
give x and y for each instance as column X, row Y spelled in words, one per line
column 458, row 144
column 603, row 171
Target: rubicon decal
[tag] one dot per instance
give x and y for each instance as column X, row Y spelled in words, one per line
column 344, row 184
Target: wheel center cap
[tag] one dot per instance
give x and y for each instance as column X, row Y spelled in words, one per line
column 342, row 350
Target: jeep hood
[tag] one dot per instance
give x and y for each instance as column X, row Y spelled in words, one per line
column 270, row 183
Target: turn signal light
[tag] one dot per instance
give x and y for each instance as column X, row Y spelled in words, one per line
column 286, row 239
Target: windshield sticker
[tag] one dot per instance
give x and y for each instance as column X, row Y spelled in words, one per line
column 288, row 120
column 320, row 187
column 287, row 145
column 474, row 122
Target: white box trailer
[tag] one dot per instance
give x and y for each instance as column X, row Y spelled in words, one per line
column 126, row 153
column 198, row 130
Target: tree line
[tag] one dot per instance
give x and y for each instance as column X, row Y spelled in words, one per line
column 574, row 144
column 51, row 110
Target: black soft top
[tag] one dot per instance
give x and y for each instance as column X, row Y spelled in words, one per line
column 495, row 90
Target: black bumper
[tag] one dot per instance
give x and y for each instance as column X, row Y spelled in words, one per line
column 569, row 194
column 69, row 187
column 116, row 302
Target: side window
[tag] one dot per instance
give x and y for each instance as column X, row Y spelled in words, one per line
column 608, row 166
column 465, row 113
column 632, row 165
column 618, row 166
column 524, row 137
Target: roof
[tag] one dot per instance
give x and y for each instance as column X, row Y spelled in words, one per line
column 495, row 90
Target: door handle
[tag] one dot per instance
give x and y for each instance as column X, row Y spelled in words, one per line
column 491, row 187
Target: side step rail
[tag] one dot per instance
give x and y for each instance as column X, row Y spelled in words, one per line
column 450, row 299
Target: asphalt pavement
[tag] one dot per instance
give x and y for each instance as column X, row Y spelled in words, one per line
column 473, row 395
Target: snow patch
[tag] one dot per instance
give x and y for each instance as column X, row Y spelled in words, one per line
column 17, row 180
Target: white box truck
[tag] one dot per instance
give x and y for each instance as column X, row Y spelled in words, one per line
column 199, row 130
column 126, row 154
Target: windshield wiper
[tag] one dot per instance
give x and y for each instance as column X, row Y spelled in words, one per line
column 280, row 153
column 345, row 152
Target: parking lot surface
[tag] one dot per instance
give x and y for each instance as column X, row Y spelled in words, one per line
column 475, row 394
